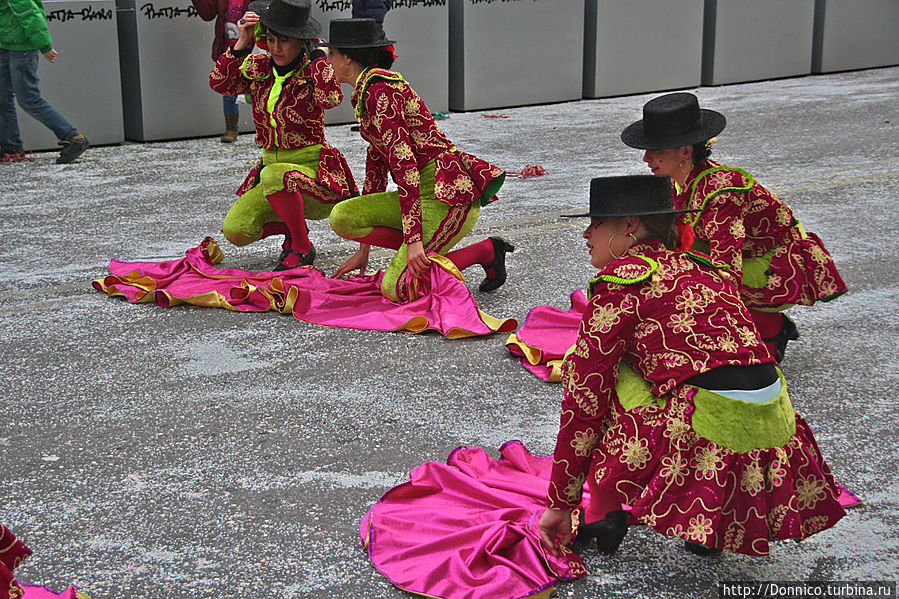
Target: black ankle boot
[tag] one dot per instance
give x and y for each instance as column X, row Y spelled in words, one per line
column 500, row 248
column 702, row 550
column 285, row 249
column 305, row 259
column 608, row 532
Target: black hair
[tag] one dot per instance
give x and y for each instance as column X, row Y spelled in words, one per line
column 701, row 151
column 369, row 56
column 662, row 227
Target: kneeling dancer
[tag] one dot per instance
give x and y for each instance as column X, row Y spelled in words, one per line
column 300, row 175
column 440, row 189
column 699, row 439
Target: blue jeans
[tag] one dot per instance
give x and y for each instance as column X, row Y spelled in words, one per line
column 18, row 79
column 229, row 105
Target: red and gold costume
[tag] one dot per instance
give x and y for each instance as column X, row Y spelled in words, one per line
column 689, row 462
column 403, row 137
column 741, row 220
column 12, row 553
column 440, row 190
column 288, row 112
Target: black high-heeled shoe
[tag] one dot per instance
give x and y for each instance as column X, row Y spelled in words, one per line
column 500, row 248
column 608, row 532
column 701, row 550
column 787, row 332
column 305, row 259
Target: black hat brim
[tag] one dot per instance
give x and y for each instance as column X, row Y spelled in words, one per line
column 603, row 215
column 711, row 124
column 310, row 30
column 376, row 44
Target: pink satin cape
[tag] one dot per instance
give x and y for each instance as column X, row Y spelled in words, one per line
column 41, row 592
column 468, row 528
column 442, row 302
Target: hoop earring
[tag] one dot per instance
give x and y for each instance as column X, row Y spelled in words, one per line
column 612, row 252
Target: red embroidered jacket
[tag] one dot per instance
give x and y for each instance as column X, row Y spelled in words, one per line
column 403, row 137
column 297, row 119
column 740, row 219
column 669, row 316
column 12, row 554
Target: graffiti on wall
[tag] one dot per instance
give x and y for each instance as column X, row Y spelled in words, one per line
column 338, row 5
column 88, row 13
column 167, row 12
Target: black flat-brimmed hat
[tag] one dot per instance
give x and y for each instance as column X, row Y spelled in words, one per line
column 672, row 121
column 630, row 195
column 356, row 33
column 289, row 18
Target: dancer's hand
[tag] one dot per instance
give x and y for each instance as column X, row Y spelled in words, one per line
column 358, row 260
column 417, row 260
column 555, row 529
column 245, row 25
column 51, row 55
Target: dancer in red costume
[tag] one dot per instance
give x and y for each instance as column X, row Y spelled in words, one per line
column 672, row 405
column 739, row 223
column 300, row 175
column 440, row 189
column 12, row 553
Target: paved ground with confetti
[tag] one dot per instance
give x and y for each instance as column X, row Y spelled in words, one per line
column 160, row 453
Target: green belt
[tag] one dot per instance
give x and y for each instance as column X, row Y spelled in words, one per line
column 733, row 423
column 307, row 156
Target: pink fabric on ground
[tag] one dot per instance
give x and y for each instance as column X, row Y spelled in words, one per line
column 443, row 302
column 468, row 528
column 41, row 592
column 546, row 335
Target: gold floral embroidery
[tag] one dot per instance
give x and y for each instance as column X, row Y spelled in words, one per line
column 635, row 453
column 402, row 151
column 747, row 336
column 412, row 178
column 413, row 106
column 676, row 429
column 728, row 344
column 681, row 323
column 809, row 491
column 584, row 442
column 784, row 218
column 574, row 487
column 707, row 462
column 463, row 184
column 737, row 229
column 775, row 518
column 700, row 528
column 604, row 318
column 753, row 480
column 690, row 302
column 673, row 469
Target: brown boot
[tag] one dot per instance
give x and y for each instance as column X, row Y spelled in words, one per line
column 230, row 129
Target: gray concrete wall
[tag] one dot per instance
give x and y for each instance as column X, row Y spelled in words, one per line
column 751, row 41
column 165, row 53
column 421, row 32
column 855, row 34
column 83, row 85
column 516, row 52
column 641, row 45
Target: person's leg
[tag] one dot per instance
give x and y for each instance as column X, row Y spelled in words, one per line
column 23, row 68
column 442, row 227
column 250, row 219
column 374, row 219
column 10, row 142
column 232, row 115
